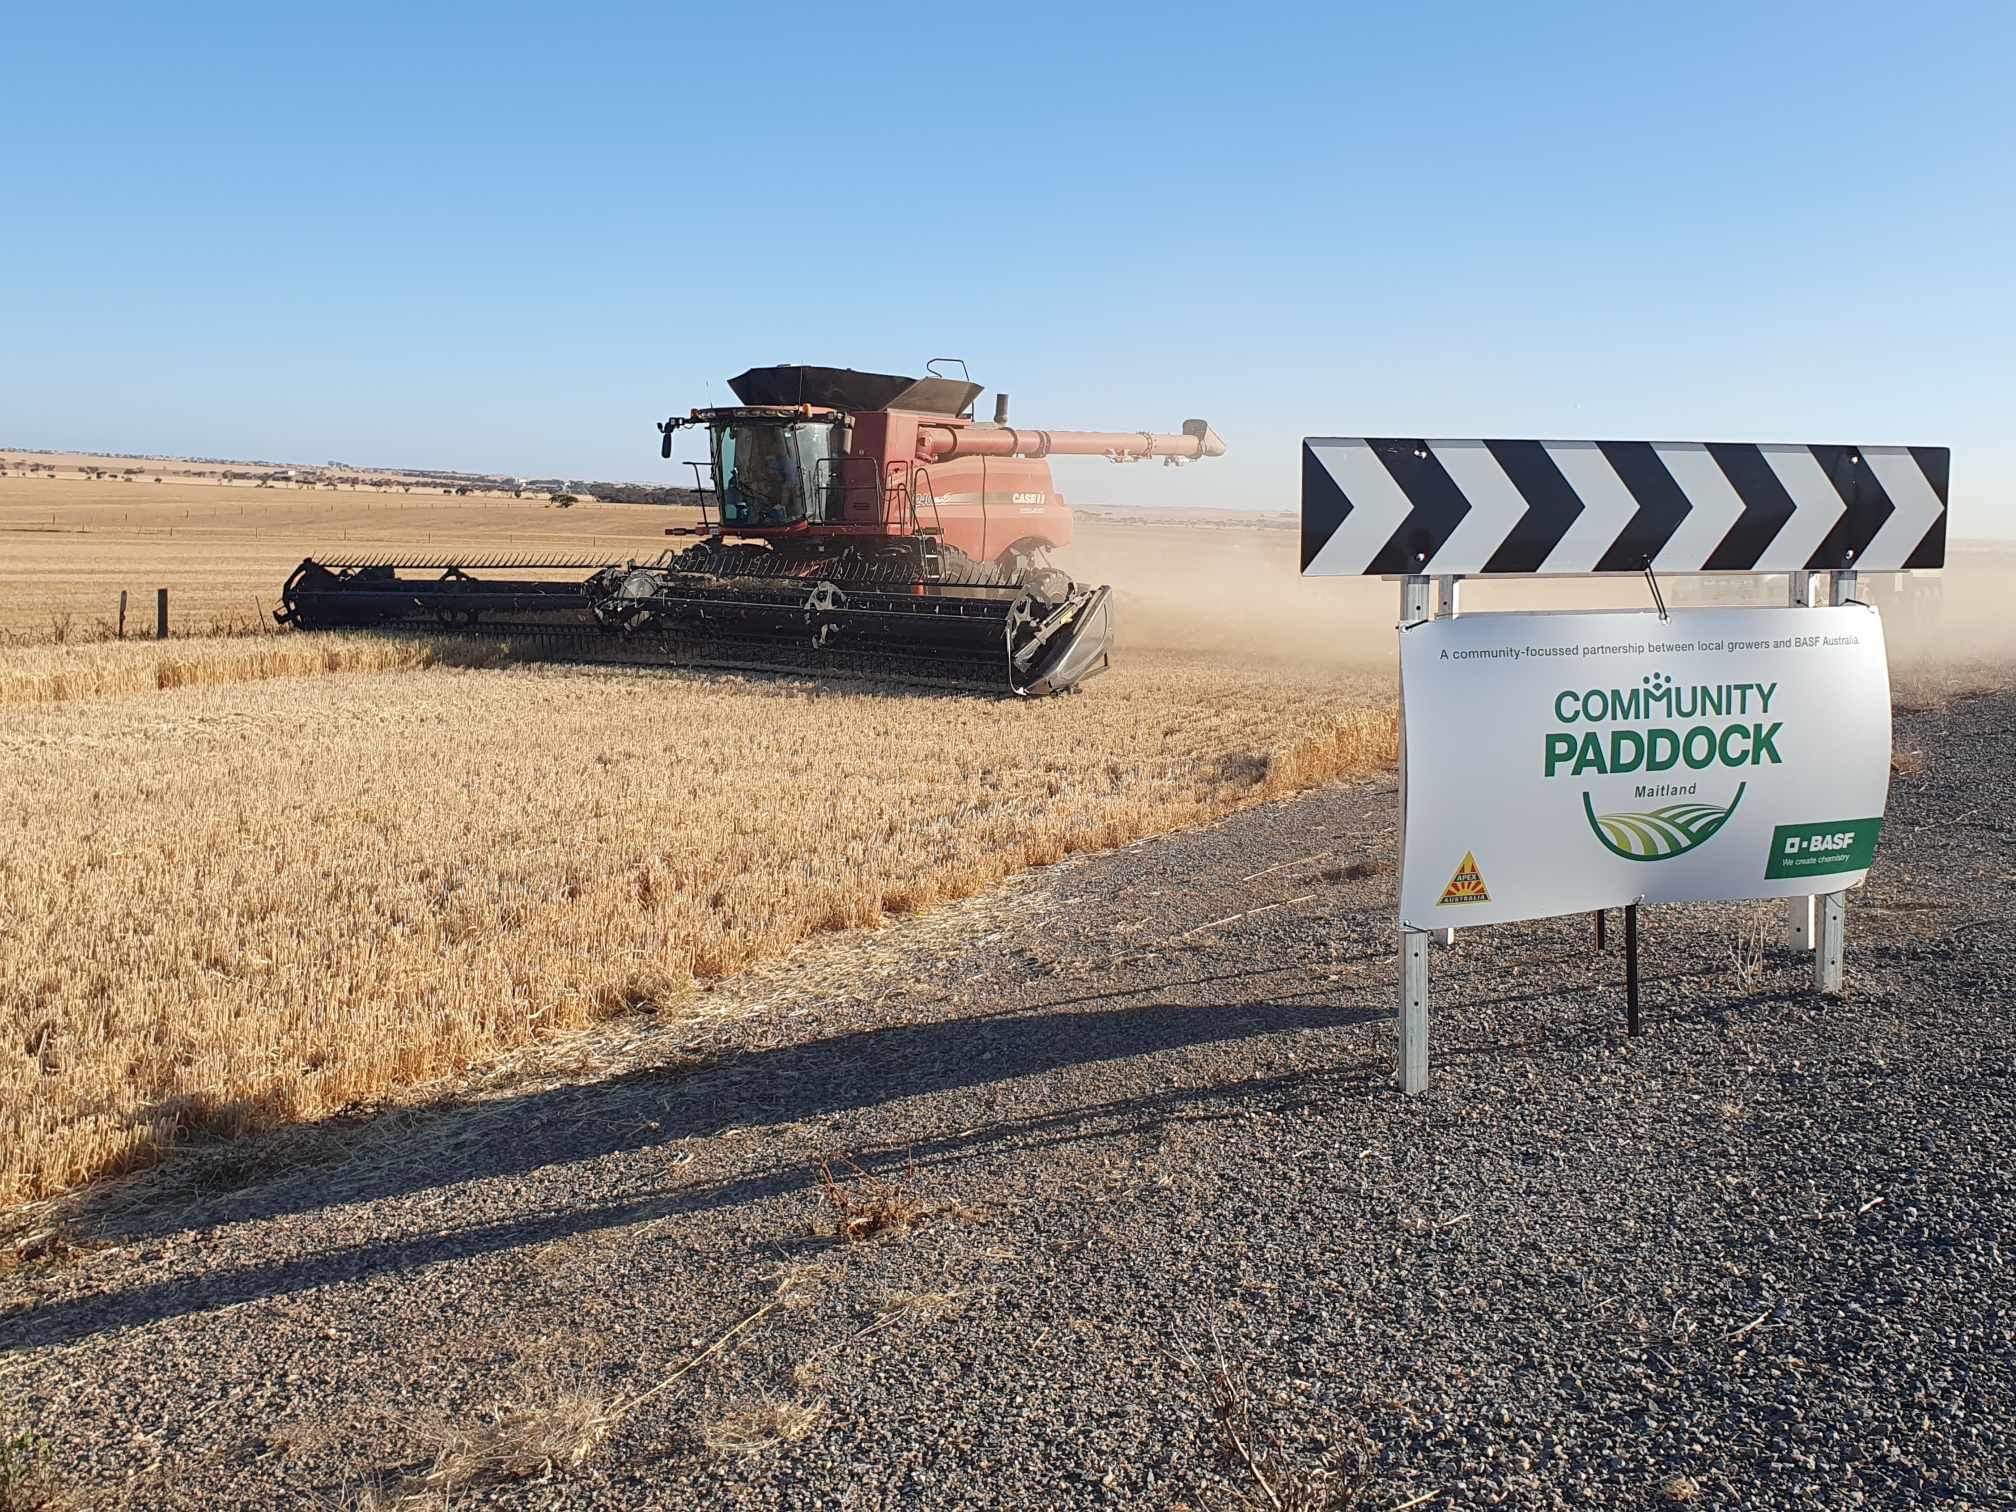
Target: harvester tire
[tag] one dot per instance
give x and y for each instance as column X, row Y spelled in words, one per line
column 958, row 570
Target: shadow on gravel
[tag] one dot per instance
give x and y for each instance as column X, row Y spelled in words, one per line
column 648, row 1107
column 1212, row 979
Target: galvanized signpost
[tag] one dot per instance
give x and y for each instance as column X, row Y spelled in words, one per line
column 1437, row 511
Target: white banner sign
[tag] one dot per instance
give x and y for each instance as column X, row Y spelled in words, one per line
column 1559, row 763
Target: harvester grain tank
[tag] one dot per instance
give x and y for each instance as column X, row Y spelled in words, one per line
column 850, row 523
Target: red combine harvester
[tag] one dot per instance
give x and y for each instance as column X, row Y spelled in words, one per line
column 859, row 523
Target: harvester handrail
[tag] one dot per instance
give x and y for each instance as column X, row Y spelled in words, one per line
column 703, row 485
column 930, row 492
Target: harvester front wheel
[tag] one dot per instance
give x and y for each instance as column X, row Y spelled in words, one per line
column 1026, row 555
column 1028, row 564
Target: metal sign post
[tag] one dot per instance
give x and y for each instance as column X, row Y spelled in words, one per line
column 1819, row 923
column 1631, row 968
column 1410, row 1058
column 1799, row 911
column 1447, row 592
column 1831, row 942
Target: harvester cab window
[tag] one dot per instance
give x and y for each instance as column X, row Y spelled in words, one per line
column 773, row 472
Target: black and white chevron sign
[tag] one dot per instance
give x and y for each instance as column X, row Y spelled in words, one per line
column 1389, row 507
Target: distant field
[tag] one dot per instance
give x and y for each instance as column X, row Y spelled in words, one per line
column 68, row 545
column 181, row 469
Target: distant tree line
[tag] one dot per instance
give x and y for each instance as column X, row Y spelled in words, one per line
column 638, row 493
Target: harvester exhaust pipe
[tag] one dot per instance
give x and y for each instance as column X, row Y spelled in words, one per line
column 1000, row 409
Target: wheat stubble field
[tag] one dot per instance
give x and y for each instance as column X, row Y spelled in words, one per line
column 251, row 878
column 260, row 878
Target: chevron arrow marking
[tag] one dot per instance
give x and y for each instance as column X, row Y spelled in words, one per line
column 1662, row 506
column 1377, row 507
column 1610, row 506
column 1819, row 506
column 1496, row 506
column 1394, row 506
column 1766, row 508
column 1867, row 507
column 1716, row 506
column 1918, row 507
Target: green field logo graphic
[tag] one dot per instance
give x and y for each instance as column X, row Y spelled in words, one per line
column 1663, row 833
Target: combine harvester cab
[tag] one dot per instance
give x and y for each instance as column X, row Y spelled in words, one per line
column 857, row 524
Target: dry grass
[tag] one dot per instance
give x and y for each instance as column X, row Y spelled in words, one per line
column 1267, row 1474
column 27, row 1484
column 64, row 673
column 44, row 1247
column 558, row 1429
column 235, row 906
column 865, row 1207
column 1752, row 944
column 515, row 1442
column 1961, row 671
column 753, row 1428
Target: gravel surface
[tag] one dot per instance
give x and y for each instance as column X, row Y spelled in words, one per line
column 1756, row 1258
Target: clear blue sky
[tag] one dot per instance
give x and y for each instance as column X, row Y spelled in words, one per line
column 507, row 237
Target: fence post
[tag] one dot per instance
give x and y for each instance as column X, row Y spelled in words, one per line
column 122, row 614
column 160, row 614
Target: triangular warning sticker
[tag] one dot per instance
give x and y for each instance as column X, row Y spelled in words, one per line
column 1467, row 886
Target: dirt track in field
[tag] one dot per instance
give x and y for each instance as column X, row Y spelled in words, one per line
column 1757, row 1258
